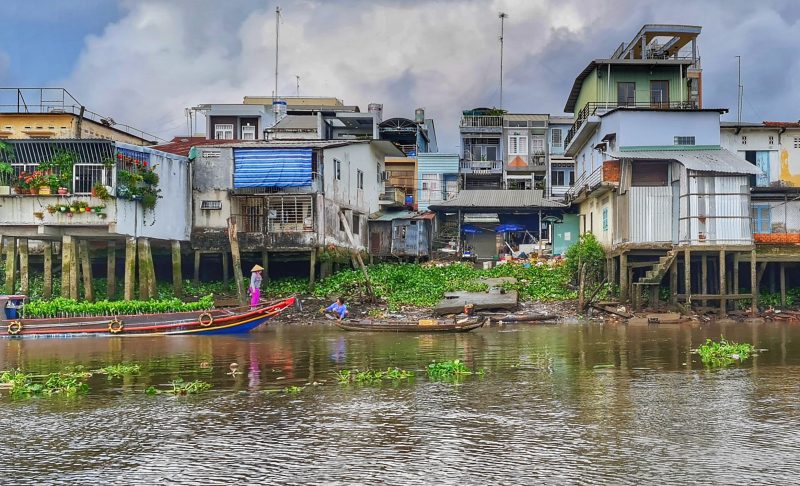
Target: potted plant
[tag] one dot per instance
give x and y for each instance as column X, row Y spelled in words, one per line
column 63, row 191
column 101, row 192
column 38, row 214
column 52, row 209
column 6, row 173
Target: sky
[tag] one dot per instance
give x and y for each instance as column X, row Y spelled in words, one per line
column 143, row 61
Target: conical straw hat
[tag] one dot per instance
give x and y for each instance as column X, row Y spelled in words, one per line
column 257, row 268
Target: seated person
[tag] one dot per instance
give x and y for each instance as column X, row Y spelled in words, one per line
column 338, row 309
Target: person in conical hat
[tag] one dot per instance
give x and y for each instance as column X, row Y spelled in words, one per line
column 255, row 285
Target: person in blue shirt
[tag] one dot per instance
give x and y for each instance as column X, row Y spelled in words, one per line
column 338, row 309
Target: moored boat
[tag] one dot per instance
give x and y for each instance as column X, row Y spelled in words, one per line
column 213, row 321
column 420, row 325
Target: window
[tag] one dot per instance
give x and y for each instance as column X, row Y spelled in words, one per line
column 359, row 180
column 684, row 140
column 605, row 219
column 796, row 142
column 537, row 144
column 517, row 124
column 356, row 224
column 659, row 94
column 248, row 132
column 771, row 140
column 223, row 131
column 562, row 177
column 761, row 221
column 649, row 173
column 626, row 94
column 555, row 137
column 518, row 145
column 744, row 139
column 211, row 205
column 337, row 168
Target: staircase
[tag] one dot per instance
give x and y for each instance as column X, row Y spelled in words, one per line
column 654, row 275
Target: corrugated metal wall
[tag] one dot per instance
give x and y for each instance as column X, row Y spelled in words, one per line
column 650, row 214
column 718, row 209
column 410, row 238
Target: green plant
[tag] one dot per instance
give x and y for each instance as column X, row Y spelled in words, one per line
column 180, row 387
column 586, row 251
column 6, row 173
column 724, row 353
column 452, row 370
column 101, row 192
column 61, row 307
column 65, row 383
column 140, row 183
column 372, row 377
column 119, row 370
column 293, row 390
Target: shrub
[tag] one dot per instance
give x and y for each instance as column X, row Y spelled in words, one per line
column 589, row 251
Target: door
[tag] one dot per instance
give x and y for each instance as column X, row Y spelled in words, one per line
column 659, row 94
column 762, row 161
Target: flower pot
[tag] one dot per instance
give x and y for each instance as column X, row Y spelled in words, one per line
column 38, row 215
column 33, row 191
column 5, row 190
column 63, row 191
column 87, row 209
column 44, row 191
column 73, row 210
column 19, row 190
column 94, row 192
column 63, row 209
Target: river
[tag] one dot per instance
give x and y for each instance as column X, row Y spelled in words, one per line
column 572, row 403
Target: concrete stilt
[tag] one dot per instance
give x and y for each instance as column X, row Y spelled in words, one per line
column 147, row 282
column 11, row 264
column 783, row 281
column 265, row 264
column 687, row 276
column 735, row 284
column 86, row 270
column 177, row 270
column 704, row 277
column 47, row 272
column 673, row 282
column 75, row 271
column 130, row 267
column 225, row 269
column 623, row 277
column 312, row 269
column 197, row 267
column 111, row 267
column 753, row 283
column 233, row 237
column 723, row 289
column 24, row 270
column 66, row 264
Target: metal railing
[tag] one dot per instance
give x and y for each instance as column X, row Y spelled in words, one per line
column 85, row 176
column 279, row 214
column 586, row 181
column 481, row 166
column 394, row 195
column 593, row 107
column 481, row 121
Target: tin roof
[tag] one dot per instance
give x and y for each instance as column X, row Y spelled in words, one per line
column 498, row 199
column 701, row 158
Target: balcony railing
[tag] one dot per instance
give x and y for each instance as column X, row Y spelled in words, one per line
column 481, row 166
column 608, row 173
column 480, row 121
column 593, row 108
column 393, row 196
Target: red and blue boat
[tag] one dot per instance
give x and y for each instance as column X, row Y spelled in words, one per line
column 213, row 321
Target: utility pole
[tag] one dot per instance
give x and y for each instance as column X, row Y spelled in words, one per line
column 739, row 93
column 298, row 84
column 502, row 16
column 277, row 38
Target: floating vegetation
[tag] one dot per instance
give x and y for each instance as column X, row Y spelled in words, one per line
column 724, row 353
column 293, row 390
column 24, row 385
column 372, row 377
column 119, row 370
column 180, row 387
column 452, row 370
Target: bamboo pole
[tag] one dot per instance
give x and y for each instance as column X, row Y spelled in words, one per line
column 233, row 236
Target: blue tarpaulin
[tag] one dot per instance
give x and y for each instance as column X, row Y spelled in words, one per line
column 510, row 227
column 271, row 167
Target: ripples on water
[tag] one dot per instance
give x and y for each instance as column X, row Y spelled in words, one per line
column 548, row 410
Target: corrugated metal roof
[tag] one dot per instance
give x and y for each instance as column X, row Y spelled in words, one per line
column 524, row 117
column 395, row 215
column 700, row 158
column 296, row 122
column 499, row 199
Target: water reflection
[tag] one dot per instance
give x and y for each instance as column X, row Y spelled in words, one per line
column 574, row 403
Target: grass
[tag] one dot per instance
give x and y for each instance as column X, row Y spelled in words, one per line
column 724, row 353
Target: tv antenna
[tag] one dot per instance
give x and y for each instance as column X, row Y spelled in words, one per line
column 277, row 39
column 502, row 16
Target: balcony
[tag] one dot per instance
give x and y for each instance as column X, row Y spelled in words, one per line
column 481, row 123
column 481, row 167
column 592, row 110
column 601, row 180
column 393, row 197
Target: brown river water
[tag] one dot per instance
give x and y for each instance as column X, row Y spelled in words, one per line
column 567, row 404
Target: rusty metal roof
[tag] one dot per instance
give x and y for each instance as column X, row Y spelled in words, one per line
column 701, row 158
column 498, row 199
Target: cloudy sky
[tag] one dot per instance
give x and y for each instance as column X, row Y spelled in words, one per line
column 144, row 61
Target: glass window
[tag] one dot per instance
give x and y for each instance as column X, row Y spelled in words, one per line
column 761, row 219
column 356, row 224
column 518, row 145
column 555, row 137
column 360, row 180
column 626, row 94
column 223, row 131
column 248, row 132
column 537, row 144
column 491, row 152
column 659, row 94
column 337, row 165
column 683, row 140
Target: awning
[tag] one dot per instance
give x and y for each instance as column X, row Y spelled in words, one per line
column 710, row 158
column 263, row 167
column 481, row 218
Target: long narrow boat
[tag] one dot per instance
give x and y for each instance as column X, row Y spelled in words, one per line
column 215, row 321
column 421, row 325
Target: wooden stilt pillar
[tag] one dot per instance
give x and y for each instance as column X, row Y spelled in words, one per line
column 753, row 283
column 47, row 271
column 736, row 284
column 225, row 270
column 673, row 282
column 783, row 281
column 687, row 276
column 704, row 277
column 723, row 288
column 24, row 270
column 74, row 276
column 66, row 264
column 86, row 270
column 265, row 264
column 196, row 267
column 612, row 271
column 233, row 237
column 312, row 269
column 177, row 269
column 130, row 267
column 11, row 264
column 623, row 277
column 111, row 270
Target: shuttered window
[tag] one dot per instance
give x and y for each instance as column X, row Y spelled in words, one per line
column 649, row 173
column 517, row 145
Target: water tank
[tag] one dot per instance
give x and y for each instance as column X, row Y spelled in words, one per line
column 419, row 115
column 279, row 109
column 377, row 111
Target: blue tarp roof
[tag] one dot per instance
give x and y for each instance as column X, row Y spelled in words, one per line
column 264, row 167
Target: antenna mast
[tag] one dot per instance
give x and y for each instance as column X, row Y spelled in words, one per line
column 502, row 16
column 739, row 93
column 298, row 84
column 277, row 38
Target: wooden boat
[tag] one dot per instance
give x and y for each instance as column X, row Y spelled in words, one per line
column 421, row 325
column 215, row 321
